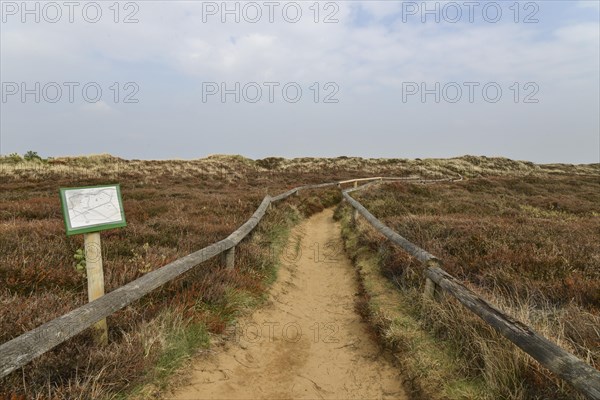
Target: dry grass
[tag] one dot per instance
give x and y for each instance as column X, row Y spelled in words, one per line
column 167, row 218
column 229, row 168
column 428, row 366
column 173, row 208
column 529, row 245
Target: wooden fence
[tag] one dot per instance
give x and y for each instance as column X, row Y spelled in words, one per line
column 582, row 376
column 22, row 349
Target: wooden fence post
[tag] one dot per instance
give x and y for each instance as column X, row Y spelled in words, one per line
column 230, row 258
column 354, row 216
column 431, row 291
column 95, row 278
column 355, row 184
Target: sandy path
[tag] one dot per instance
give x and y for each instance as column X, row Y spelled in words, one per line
column 308, row 342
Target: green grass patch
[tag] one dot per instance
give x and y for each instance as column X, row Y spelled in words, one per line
column 180, row 346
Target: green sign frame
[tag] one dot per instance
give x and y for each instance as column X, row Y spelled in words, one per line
column 91, row 227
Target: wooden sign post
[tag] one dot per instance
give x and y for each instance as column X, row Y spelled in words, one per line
column 88, row 210
column 95, row 277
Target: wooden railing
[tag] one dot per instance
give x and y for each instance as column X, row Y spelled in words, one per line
column 22, row 349
column 582, row 376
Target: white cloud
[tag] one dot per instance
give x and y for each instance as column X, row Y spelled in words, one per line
column 381, row 9
column 98, row 108
column 594, row 4
column 585, row 34
column 171, row 51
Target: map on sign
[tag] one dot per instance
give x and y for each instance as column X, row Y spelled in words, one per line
column 90, row 209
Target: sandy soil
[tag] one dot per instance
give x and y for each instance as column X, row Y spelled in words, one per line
column 307, row 342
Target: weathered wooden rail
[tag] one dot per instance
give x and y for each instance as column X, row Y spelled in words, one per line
column 21, row 350
column 581, row 375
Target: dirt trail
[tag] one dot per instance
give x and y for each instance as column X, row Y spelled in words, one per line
column 308, row 342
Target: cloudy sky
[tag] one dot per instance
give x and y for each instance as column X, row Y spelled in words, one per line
column 185, row 79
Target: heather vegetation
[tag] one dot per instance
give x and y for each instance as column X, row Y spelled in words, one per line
column 519, row 232
column 528, row 244
column 168, row 216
